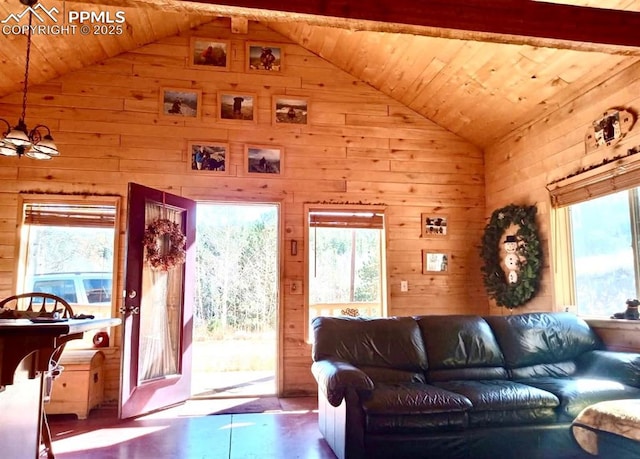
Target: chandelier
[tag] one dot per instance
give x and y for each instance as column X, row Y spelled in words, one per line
column 36, row 143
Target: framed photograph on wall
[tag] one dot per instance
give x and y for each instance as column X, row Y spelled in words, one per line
column 290, row 110
column 209, row 53
column 208, row 157
column 264, row 57
column 434, row 262
column 176, row 102
column 264, row 159
column 434, row 225
column 237, row 106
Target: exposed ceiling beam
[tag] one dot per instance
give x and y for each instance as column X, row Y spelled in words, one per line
column 504, row 21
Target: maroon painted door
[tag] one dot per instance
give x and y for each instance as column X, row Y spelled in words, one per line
column 157, row 313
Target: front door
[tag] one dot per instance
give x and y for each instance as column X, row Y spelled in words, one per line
column 157, row 313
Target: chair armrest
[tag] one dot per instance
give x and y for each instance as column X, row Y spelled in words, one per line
column 620, row 366
column 334, row 377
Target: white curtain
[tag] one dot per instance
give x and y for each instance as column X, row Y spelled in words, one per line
column 160, row 310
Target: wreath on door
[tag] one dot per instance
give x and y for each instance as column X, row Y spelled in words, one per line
column 165, row 244
column 507, row 294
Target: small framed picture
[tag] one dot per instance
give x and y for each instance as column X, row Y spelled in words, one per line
column 237, row 106
column 434, row 225
column 176, row 103
column 290, row 110
column 264, row 57
column 434, row 262
column 209, row 157
column 264, row 159
column 209, row 53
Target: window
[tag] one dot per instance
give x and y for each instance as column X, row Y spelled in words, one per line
column 595, row 227
column 67, row 249
column 345, row 262
column 604, row 255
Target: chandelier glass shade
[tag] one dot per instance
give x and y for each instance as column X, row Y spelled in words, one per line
column 18, row 140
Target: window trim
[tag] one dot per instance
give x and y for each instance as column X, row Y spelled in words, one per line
column 345, row 208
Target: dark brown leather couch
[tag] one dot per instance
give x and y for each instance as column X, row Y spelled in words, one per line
column 462, row 386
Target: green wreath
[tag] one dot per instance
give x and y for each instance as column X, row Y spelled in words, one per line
column 498, row 288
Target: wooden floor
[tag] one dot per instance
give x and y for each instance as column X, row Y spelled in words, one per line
column 287, row 429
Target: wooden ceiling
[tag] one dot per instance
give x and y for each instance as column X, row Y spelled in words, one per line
column 480, row 69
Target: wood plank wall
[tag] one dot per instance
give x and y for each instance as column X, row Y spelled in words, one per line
column 360, row 147
column 519, row 167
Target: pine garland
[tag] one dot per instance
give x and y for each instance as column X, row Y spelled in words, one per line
column 498, row 288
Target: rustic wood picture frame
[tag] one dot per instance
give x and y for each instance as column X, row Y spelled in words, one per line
column 180, row 103
column 264, row 160
column 434, row 225
column 435, row 261
column 209, row 53
column 290, row 110
column 237, row 107
column 208, row 157
column 264, row 57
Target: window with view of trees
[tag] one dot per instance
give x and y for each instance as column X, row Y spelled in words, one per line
column 345, row 262
column 605, row 253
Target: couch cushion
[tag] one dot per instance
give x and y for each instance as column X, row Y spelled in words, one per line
column 413, row 407
column 542, row 339
column 392, row 375
column 575, row 394
column 499, row 402
column 393, row 342
column 461, row 347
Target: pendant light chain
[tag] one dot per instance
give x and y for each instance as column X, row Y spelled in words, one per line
column 26, row 69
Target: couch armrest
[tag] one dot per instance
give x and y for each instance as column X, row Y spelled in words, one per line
column 334, row 377
column 620, row 366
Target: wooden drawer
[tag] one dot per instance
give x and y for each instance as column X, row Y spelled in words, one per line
column 80, row 386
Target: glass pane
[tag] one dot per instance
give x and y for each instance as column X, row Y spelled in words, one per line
column 345, row 272
column 68, row 261
column 603, row 255
column 160, row 310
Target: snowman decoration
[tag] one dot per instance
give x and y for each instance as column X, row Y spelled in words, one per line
column 511, row 259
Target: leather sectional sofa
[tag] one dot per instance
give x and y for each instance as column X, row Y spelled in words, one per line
column 462, row 386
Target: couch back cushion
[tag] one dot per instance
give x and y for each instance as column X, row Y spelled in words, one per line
column 391, row 342
column 461, row 347
column 542, row 343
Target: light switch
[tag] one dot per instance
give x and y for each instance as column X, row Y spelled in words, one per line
column 404, row 286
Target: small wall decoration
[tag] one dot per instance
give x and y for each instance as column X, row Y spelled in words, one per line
column 185, row 103
column 264, row 57
column 264, row 160
column 208, row 156
column 609, row 129
column 522, row 257
column 290, row 110
column 209, row 53
column 237, row 106
column 433, row 225
column 434, row 262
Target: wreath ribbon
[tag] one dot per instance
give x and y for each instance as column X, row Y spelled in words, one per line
column 506, row 294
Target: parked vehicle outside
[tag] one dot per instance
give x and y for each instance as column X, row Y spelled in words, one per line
column 86, row 292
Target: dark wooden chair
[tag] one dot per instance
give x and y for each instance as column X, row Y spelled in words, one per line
column 40, row 305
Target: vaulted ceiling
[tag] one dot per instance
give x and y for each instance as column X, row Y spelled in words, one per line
column 478, row 68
